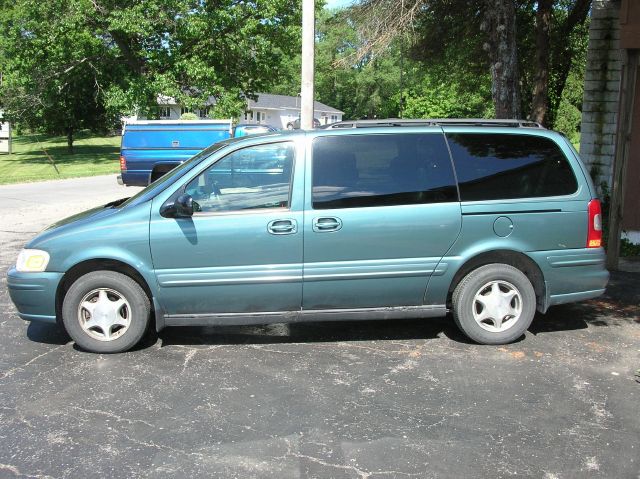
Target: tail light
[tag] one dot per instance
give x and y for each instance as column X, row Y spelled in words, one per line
column 123, row 163
column 594, row 237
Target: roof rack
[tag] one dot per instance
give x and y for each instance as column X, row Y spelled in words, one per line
column 434, row 122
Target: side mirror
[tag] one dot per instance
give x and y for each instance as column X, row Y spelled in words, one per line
column 182, row 207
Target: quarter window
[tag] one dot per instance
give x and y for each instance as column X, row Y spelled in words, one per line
column 354, row 171
column 252, row 178
column 498, row 166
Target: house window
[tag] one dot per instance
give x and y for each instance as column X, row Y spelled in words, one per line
column 184, row 110
column 334, row 118
column 164, row 112
column 203, row 112
column 248, row 115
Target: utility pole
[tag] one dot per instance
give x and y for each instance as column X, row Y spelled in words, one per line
column 308, row 63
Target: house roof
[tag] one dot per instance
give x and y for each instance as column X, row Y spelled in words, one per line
column 267, row 101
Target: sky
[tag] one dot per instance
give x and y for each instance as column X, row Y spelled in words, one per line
column 338, row 3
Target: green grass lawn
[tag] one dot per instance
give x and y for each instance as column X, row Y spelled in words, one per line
column 93, row 155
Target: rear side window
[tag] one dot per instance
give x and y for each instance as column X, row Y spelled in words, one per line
column 354, row 171
column 498, row 166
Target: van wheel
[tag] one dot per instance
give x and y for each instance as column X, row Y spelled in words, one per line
column 494, row 304
column 105, row 312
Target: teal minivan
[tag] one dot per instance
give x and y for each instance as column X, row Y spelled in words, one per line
column 491, row 220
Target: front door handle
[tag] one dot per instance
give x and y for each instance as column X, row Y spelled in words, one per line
column 282, row 227
column 326, row 224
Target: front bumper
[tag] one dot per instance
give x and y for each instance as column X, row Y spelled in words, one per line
column 34, row 294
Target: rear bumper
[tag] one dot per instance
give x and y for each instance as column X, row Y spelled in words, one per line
column 574, row 297
column 134, row 177
column 572, row 275
column 34, row 294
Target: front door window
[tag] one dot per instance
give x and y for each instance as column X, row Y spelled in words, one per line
column 253, row 178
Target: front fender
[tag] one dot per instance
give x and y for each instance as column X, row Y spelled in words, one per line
column 142, row 265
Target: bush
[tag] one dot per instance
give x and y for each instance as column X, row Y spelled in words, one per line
column 188, row 116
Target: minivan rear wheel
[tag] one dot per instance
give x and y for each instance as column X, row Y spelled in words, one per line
column 494, row 304
column 105, row 312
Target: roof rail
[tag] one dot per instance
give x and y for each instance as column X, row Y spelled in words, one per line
column 434, row 122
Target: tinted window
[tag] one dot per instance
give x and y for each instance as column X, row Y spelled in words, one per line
column 493, row 167
column 381, row 170
column 251, row 178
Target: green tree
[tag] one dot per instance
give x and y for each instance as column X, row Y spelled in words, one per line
column 72, row 64
column 54, row 72
column 528, row 47
column 369, row 87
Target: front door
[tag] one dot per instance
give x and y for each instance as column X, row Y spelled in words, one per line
column 242, row 249
column 381, row 211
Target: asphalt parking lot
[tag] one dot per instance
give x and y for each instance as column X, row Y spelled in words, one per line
column 363, row 400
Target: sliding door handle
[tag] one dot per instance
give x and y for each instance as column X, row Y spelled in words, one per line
column 326, row 224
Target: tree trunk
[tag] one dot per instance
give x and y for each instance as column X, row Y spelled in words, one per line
column 70, row 140
column 540, row 101
column 562, row 54
column 500, row 25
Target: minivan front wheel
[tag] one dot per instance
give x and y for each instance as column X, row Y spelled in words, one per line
column 105, row 312
column 494, row 304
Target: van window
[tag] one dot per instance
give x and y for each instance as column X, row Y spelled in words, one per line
column 351, row 171
column 498, row 166
column 255, row 177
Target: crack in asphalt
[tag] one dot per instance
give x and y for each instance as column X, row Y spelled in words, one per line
column 11, row 371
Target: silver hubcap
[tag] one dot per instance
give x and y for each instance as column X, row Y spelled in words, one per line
column 497, row 306
column 104, row 314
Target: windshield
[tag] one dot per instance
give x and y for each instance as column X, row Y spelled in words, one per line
column 175, row 173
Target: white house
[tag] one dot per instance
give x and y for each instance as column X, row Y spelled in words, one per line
column 280, row 110
column 5, row 135
column 275, row 110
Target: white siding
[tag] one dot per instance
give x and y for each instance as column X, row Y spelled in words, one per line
column 281, row 118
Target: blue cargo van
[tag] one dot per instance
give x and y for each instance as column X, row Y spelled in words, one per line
column 152, row 148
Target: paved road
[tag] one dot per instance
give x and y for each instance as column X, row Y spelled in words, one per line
column 347, row 400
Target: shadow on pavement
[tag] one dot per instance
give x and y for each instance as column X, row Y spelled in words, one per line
column 47, row 333
column 316, row 332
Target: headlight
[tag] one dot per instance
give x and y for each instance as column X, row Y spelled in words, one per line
column 32, row 261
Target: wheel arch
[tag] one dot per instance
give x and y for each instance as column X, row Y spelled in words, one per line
column 95, row 264
column 161, row 169
column 516, row 259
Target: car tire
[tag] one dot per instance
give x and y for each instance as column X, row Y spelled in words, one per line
column 106, row 312
column 494, row 304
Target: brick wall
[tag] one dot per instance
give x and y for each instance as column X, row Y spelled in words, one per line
column 602, row 88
